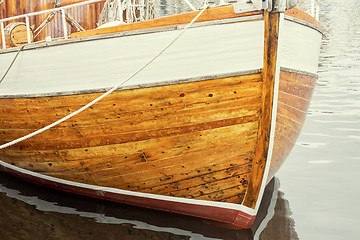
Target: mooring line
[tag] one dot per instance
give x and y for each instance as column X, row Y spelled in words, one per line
column 12, row 63
column 105, row 94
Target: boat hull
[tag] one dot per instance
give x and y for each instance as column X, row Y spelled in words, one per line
column 194, row 142
column 161, row 166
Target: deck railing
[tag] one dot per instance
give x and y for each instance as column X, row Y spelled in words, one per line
column 128, row 6
column 28, row 15
column 315, row 9
column 126, row 11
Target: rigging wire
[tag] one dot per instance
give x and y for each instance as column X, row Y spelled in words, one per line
column 12, row 63
column 108, row 92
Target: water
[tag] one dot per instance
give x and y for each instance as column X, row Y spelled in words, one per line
column 318, row 194
column 320, row 178
column 31, row 212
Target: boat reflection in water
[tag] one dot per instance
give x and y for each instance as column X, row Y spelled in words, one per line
column 28, row 211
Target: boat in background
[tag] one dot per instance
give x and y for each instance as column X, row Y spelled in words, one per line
column 197, row 126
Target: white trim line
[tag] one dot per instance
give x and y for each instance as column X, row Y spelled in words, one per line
column 273, row 120
column 100, row 191
column 98, row 216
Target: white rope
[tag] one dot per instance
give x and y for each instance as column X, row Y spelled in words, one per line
column 12, row 63
column 105, row 94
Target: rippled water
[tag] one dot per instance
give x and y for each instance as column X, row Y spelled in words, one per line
column 320, row 177
column 28, row 211
column 318, row 197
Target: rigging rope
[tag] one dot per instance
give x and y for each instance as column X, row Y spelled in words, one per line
column 108, row 92
column 17, row 54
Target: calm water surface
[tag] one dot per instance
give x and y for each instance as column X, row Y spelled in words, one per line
column 321, row 176
column 28, row 211
column 318, row 196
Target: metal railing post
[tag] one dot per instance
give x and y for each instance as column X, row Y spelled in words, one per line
column 120, row 9
column 63, row 17
column 317, row 10
column 190, row 5
column 312, row 8
column 3, row 35
column 27, row 21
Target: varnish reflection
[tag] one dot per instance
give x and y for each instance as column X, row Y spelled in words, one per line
column 31, row 212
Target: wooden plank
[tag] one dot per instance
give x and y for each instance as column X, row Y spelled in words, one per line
column 296, row 102
column 170, row 169
column 168, row 151
column 210, row 14
column 298, row 78
column 283, row 148
column 119, row 110
column 292, row 110
column 291, row 113
column 116, row 138
column 216, row 190
column 138, row 94
column 160, row 168
column 120, row 104
column 297, row 13
column 117, row 151
column 304, row 92
column 189, row 184
column 74, row 130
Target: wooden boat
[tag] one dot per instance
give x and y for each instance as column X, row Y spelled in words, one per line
column 196, row 127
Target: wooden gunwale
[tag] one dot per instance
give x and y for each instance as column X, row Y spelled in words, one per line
column 211, row 14
column 295, row 14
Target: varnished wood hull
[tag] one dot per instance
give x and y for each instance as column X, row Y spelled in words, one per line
column 193, row 144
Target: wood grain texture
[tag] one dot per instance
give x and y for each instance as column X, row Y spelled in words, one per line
column 193, row 140
column 301, row 15
column 270, row 53
column 54, row 29
column 204, row 140
column 216, row 13
column 295, row 92
column 16, row 34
